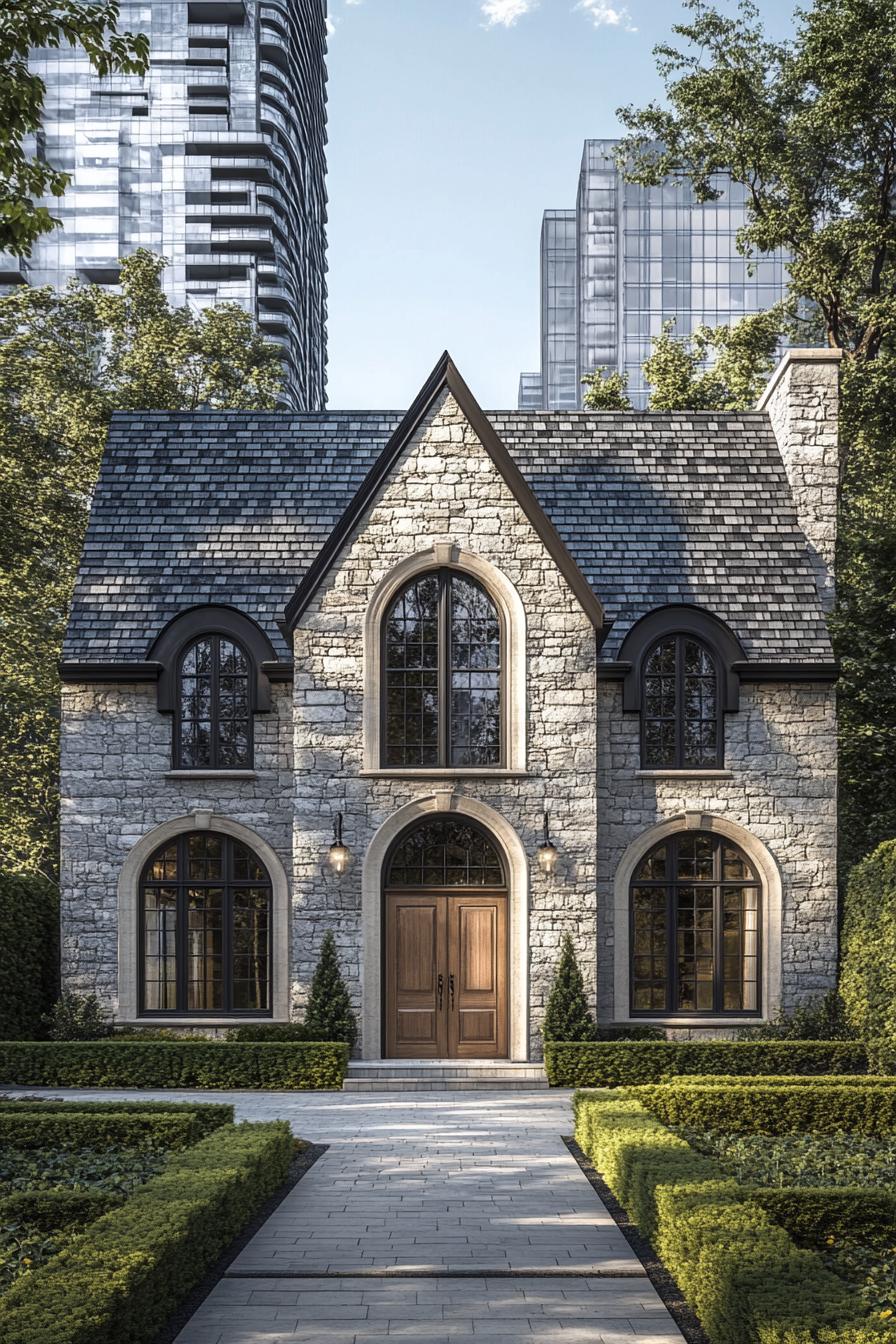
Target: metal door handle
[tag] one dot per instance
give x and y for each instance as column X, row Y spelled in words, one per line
column 441, row 990
column 451, row 988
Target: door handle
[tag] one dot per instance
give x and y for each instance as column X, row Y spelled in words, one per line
column 451, row 989
column 441, row 990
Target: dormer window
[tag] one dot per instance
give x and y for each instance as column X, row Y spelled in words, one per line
column 442, row 663
column 213, row 717
column 681, row 710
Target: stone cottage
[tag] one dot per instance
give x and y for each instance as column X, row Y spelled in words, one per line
column 449, row 684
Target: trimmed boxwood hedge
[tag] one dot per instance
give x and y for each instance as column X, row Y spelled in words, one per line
column 813, row 1213
column 622, row 1063
column 882, row 1057
column 765, row 1109
column 183, row 1064
column 782, row 1080
column 29, row 954
column 868, row 944
column 81, row 1129
column 119, row 1281
column 739, row 1270
column 50, row 1211
column 206, row 1115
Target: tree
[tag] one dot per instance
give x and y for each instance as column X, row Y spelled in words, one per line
column 67, row 361
column 567, row 1016
column 329, row 1012
column 25, row 25
column 808, row 128
column 605, row 391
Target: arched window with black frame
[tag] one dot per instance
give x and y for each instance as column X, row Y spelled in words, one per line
column 205, row 929
column 695, row 902
column 682, row 725
column 213, row 718
column 442, row 675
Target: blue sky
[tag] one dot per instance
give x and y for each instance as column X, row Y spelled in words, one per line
column 453, row 124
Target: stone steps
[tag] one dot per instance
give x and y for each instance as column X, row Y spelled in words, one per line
column 431, row 1075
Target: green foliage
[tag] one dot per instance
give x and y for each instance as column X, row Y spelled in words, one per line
column 868, row 944
column 328, row 1015
column 272, row 1031
column 782, row 1080
column 140, row 1131
column 29, row 953
column 882, row 1056
column 120, row 1280
column 78, row 1017
column 822, row 1019
column 181, row 1064
column 112, row 1171
column 49, row 1210
column 68, row 360
column 762, row 1109
column 42, row 23
column 619, row 1064
column 737, row 1268
column 606, row 391
column 715, row 369
column 567, row 1015
column 206, row 1116
column 793, row 1161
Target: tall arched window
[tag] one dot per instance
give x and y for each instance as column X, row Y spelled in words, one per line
column 214, row 714
column 695, row 943
column 205, row 928
column 442, row 675
column 681, row 711
column 445, row 852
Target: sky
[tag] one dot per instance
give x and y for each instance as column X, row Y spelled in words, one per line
column 453, row 124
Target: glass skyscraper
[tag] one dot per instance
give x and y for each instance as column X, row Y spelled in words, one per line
column 216, row 160
column 627, row 259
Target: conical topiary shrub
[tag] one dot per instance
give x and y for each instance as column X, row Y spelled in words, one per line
column 568, row 1017
column 329, row 1015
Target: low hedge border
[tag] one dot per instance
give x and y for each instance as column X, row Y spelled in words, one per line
column 882, row 1056
column 137, row 1130
column 227, row 1065
column 206, row 1116
column 739, row 1269
column 770, row 1109
column 813, row 1213
column 781, row 1080
column 119, row 1281
column 624, row 1063
column 50, row 1211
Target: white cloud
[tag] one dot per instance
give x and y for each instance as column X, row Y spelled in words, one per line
column 607, row 16
column 331, row 26
column 505, row 12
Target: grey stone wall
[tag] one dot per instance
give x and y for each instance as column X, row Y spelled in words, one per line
column 445, row 489
column 781, row 751
column 116, row 750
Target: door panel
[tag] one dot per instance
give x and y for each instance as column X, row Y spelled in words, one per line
column 415, row 955
column 477, row 953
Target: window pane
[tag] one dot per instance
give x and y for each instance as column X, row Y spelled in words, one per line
column 700, row 709
column 195, row 706
column 205, row 949
column 251, row 979
column 159, row 942
column 475, row 676
column 445, row 853
column 233, row 719
column 659, row 707
column 411, row 676
column 650, row 947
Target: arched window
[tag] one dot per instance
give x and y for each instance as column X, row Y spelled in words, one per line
column 205, row 928
column 445, row 852
column 681, row 710
column 442, row 675
column 214, row 715
column 695, row 929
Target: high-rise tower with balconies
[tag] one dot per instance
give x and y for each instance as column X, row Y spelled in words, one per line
column 216, row 160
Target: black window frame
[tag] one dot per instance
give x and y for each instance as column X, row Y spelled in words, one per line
column 445, row 574
column 671, row 882
column 214, row 638
column 679, row 762
column 183, row 882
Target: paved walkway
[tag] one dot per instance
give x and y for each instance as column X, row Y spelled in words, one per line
column 437, row 1217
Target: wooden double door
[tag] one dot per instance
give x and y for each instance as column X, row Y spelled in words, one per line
column 446, row 975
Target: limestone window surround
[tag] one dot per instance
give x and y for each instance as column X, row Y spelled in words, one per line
column 770, row 924
column 447, row 555
column 129, row 915
column 684, row 774
column 517, row 868
column 211, row 774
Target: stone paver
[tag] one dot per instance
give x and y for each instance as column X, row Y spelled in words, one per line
column 435, row 1216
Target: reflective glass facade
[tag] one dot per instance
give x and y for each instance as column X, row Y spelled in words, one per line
column 216, row 160
column 640, row 255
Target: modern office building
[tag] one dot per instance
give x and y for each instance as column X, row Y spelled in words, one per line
column 627, row 259
column 216, row 160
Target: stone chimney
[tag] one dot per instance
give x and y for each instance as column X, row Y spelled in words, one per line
column 802, row 401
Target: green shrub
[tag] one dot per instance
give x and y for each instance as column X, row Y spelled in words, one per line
column 272, row 1031
column 801, row 1159
column 113, row 1171
column 765, row 1109
column 137, row 1130
column 882, row 1057
column 814, row 1213
column 822, row 1019
column 781, row 1079
column 78, row 1017
column 621, row 1063
column 868, row 944
column 29, row 954
column 181, row 1064
column 739, row 1270
column 206, row 1115
column 119, row 1281
column 53, row 1210
column 567, row 1015
column 329, row 1016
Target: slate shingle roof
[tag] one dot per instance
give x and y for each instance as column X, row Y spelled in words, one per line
column 232, row 507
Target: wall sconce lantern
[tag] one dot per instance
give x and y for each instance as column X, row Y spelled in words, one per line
column 547, row 852
column 337, row 856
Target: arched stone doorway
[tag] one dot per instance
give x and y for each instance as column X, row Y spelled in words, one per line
column 445, row 942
